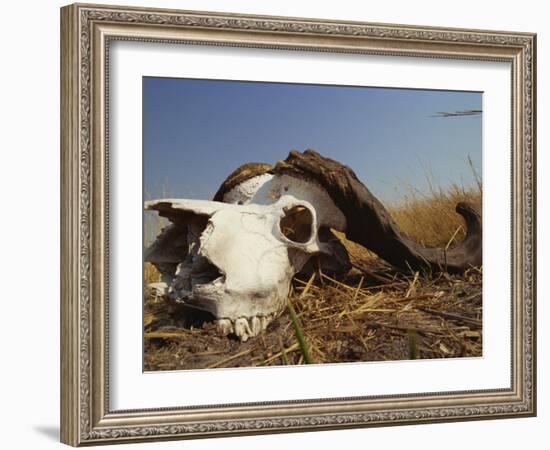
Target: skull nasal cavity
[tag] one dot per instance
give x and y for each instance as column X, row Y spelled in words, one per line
column 296, row 224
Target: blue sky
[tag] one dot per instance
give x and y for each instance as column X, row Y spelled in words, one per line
column 196, row 132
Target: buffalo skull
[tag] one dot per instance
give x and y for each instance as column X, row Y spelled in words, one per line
column 235, row 256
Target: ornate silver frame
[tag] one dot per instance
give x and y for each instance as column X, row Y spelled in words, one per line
column 86, row 31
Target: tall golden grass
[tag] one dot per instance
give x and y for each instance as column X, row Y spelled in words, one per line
column 430, row 219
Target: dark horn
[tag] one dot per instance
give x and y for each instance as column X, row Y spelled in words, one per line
column 370, row 224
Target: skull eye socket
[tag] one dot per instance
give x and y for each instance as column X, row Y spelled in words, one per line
column 297, row 224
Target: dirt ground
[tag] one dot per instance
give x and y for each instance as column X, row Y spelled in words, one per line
column 372, row 314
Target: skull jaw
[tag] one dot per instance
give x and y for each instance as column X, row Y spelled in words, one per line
column 243, row 312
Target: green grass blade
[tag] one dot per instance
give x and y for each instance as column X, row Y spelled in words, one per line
column 299, row 334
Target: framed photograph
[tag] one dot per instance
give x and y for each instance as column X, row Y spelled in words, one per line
column 275, row 224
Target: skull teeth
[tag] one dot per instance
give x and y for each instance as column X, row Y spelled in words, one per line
column 224, row 326
column 255, row 325
column 243, row 327
column 242, row 330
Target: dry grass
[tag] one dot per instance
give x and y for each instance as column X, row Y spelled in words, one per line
column 374, row 313
column 431, row 219
column 344, row 322
column 348, row 320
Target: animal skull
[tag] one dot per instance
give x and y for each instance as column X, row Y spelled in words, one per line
column 236, row 259
column 236, row 256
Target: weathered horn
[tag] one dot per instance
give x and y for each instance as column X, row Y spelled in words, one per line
column 370, row 224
